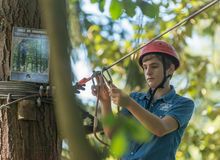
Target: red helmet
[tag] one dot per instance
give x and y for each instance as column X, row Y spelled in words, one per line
column 160, row 47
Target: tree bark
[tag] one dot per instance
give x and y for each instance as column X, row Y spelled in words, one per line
column 22, row 139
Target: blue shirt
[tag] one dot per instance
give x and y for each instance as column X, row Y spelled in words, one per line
column 161, row 148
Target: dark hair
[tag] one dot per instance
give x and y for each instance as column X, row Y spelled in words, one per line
column 168, row 59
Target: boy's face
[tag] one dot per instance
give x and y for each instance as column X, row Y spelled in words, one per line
column 153, row 70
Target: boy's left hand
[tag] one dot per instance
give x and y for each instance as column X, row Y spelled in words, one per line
column 118, row 96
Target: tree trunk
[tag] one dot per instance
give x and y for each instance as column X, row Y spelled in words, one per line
column 67, row 108
column 24, row 139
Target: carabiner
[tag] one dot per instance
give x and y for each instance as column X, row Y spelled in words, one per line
column 109, row 81
column 96, row 73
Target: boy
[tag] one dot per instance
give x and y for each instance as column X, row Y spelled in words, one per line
column 164, row 113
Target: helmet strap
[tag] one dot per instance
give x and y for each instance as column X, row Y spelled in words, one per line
column 161, row 85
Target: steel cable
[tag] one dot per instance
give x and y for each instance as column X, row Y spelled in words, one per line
column 17, row 91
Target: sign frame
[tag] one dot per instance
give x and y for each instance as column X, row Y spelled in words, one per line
column 29, row 55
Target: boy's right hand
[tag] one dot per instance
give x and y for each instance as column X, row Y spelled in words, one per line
column 101, row 89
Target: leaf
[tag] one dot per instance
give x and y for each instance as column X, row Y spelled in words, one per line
column 119, row 143
column 101, row 5
column 116, row 9
column 94, row 1
column 129, row 7
column 148, row 9
column 109, row 120
column 136, row 131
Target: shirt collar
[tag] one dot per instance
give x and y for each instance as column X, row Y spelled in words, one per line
column 166, row 98
column 145, row 96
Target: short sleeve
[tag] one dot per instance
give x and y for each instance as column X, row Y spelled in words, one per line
column 182, row 111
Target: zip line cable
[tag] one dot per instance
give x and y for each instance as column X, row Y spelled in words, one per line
column 15, row 91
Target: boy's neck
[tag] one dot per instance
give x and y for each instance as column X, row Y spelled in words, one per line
column 161, row 91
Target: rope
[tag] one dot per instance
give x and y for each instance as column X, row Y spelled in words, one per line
column 95, row 124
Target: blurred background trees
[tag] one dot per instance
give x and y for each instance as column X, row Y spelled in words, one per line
column 115, row 28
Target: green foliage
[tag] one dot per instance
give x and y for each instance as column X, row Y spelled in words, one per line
column 129, row 7
column 116, row 9
column 119, row 144
column 94, row 1
column 148, row 9
column 125, row 129
column 101, row 5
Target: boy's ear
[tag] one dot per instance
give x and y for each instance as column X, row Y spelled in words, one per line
column 171, row 69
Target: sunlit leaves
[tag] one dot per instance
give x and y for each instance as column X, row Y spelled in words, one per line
column 129, row 7
column 116, row 9
column 136, row 130
column 148, row 9
column 125, row 129
column 119, row 144
column 94, row 1
column 101, row 5
column 205, row 136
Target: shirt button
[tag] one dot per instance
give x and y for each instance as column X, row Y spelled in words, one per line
column 132, row 153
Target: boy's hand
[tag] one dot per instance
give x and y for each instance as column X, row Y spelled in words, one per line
column 103, row 90
column 118, row 96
